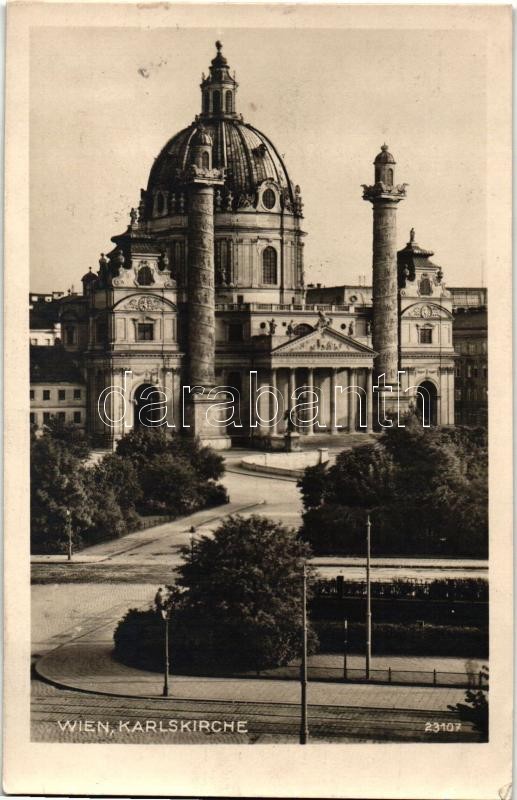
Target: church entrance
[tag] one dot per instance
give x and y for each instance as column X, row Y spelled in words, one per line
column 149, row 407
column 427, row 403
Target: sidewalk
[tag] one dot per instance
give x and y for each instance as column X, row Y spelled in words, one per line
column 90, row 667
column 117, row 547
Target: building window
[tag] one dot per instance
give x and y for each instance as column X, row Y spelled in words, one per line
column 426, row 336
column 206, row 102
column 77, row 416
column 77, row 394
column 61, row 416
column 389, row 174
column 469, row 371
column 46, row 417
column 269, row 198
column 303, row 329
column 458, row 394
column 145, row 276
column 32, row 418
column 458, row 372
column 485, row 372
column 235, row 332
column 216, row 102
column 102, row 331
column 61, row 394
column 145, row 331
column 269, row 266
column 31, row 394
column 70, row 335
column 474, row 372
column 223, row 262
column 46, row 394
column 425, row 286
column 205, row 160
column 228, row 102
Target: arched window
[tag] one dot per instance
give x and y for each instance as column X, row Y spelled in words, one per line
column 160, row 203
column 145, row 276
column 228, row 102
column 206, row 102
column 216, row 102
column 269, row 266
column 205, row 160
column 390, row 177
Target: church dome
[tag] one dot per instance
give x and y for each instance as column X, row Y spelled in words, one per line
column 245, row 155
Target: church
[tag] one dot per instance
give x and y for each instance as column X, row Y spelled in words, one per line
column 206, row 289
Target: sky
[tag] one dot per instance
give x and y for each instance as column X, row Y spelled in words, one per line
column 104, row 102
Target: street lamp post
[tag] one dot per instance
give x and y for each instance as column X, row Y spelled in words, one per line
column 345, row 649
column 165, row 616
column 368, row 601
column 69, row 533
column 304, row 728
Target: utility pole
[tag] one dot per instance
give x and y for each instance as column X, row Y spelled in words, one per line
column 69, row 533
column 368, row 601
column 304, row 729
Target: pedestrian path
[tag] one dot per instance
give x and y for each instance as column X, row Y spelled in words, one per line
column 90, row 666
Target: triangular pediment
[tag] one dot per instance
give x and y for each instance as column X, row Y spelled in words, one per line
column 323, row 340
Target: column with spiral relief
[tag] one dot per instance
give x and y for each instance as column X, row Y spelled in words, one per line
column 200, row 178
column 385, row 196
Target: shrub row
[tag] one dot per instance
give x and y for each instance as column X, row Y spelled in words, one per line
column 403, row 639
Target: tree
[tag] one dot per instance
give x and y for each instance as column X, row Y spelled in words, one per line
column 426, row 490
column 119, row 474
column 241, row 602
column 57, row 485
column 475, row 707
column 170, row 485
column 73, row 438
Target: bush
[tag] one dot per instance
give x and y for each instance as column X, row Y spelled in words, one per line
column 238, row 605
column 405, row 639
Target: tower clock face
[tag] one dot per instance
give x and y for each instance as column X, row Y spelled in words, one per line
column 426, row 312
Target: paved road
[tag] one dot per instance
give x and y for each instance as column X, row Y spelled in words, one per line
column 118, row 720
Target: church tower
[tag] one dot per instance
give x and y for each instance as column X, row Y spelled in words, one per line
column 385, row 196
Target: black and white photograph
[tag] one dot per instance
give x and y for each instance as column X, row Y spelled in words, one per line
column 259, row 307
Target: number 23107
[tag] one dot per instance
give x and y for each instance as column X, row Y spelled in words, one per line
column 438, row 727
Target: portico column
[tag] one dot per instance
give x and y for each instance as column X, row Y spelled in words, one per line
column 369, row 400
column 332, row 400
column 352, row 408
column 291, row 402
column 273, row 403
column 310, row 387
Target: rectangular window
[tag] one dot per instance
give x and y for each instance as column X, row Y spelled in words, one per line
column 458, row 372
column 61, row 394
column 145, row 331
column 77, row 416
column 61, row 416
column 31, row 394
column 70, row 335
column 46, row 394
column 32, row 418
column 235, row 332
column 77, row 394
column 458, row 394
column 474, row 372
column 46, row 417
column 469, row 371
column 426, row 336
column 485, row 372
